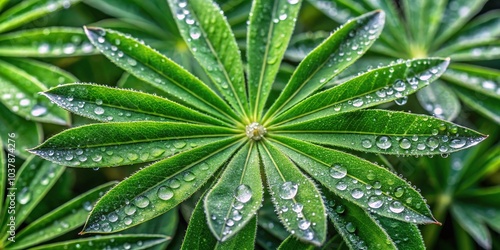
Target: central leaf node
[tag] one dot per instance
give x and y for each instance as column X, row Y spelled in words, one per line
column 255, row 131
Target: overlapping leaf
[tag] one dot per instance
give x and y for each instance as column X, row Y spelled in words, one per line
column 126, row 143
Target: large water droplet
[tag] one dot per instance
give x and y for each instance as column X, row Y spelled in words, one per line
column 194, row 32
column 350, row 227
column 288, row 190
column 432, row 142
column 141, row 201
column 337, row 171
column 357, row 102
column 112, row 217
column 165, row 193
column 188, row 176
column 130, row 209
column 396, row 207
column 357, row 193
column 243, row 193
column 341, row 186
column 99, row 111
column 375, row 201
column 383, row 142
column 404, row 143
column 457, row 143
column 24, row 196
column 399, row 85
column 304, row 224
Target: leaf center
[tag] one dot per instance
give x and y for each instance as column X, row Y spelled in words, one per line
column 255, row 131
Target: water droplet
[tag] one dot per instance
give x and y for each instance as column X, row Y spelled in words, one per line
column 357, row 102
column 131, row 62
column 457, row 143
column 297, row 207
column 130, row 209
column 432, row 142
column 401, row 101
column 396, row 207
column 341, row 186
column 87, row 206
column 127, row 221
column 24, row 196
column 337, row 171
column 383, row 142
column 141, row 201
column 112, row 217
column 357, row 193
column 404, row 143
column 165, row 193
column 304, row 224
column 366, row 143
column 399, row 192
column 375, row 201
column 174, row 183
column 288, row 190
column 399, row 85
column 179, row 144
column 38, row 110
column 99, row 111
column 188, row 176
column 194, row 32
column 350, row 227
column 243, row 193
column 292, row 2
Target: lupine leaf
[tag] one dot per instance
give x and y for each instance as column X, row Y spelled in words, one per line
column 478, row 79
column 46, row 42
column 486, row 105
column 356, row 226
column 19, row 92
column 422, row 18
column 27, row 11
column 119, row 105
column 457, row 13
column 156, row 69
column 123, row 241
column 336, row 53
column 159, row 187
column 199, row 235
column 440, row 101
column 234, row 200
column 209, row 36
column 404, row 235
column 115, row 144
column 471, row 222
column 271, row 26
column 374, row 87
column 31, row 132
column 386, row 132
column 484, row 29
column 359, row 181
column 65, row 218
column 269, row 221
column 292, row 243
column 34, row 179
column 47, row 74
column 487, row 50
column 296, row 199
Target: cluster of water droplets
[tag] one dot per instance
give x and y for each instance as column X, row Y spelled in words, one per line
column 442, row 139
column 24, row 103
column 172, row 191
column 348, row 229
column 119, row 154
column 111, row 243
column 76, row 43
column 488, row 85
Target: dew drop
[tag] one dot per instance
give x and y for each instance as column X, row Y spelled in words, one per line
column 24, row 196
column 38, row 110
column 383, row 142
column 337, row 171
column 399, row 85
column 131, row 62
column 350, row 227
column 366, row 143
column 288, row 190
column 457, row 143
column 165, row 193
column 194, row 32
column 127, row 221
column 243, row 193
column 174, row 183
column 396, row 207
column 399, row 192
column 87, row 206
column 112, row 217
column 404, row 143
column 341, row 186
column 375, row 201
column 297, row 207
column 179, row 144
column 357, row 193
column 357, row 102
column 188, row 176
column 130, row 209
column 141, row 201
column 99, row 111
column 304, row 224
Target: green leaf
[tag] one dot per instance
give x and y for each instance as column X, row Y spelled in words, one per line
column 486, row 105
column 486, row 28
column 440, row 101
column 335, row 54
column 302, row 44
column 124, row 143
column 19, row 92
column 208, row 35
column 124, row 241
column 47, row 74
column 477, row 52
column 46, row 42
column 65, row 218
column 269, row 221
column 456, row 14
column 471, row 222
column 487, row 197
column 158, row 188
column 292, row 243
column 422, row 17
column 371, row 88
column 235, row 199
column 165, row 224
column 119, row 105
column 199, row 235
column 404, row 235
column 30, row 10
column 296, row 199
column 478, row 79
column 33, row 180
column 28, row 134
column 356, row 226
column 359, row 181
column 150, row 66
column 386, row 132
column 271, row 26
